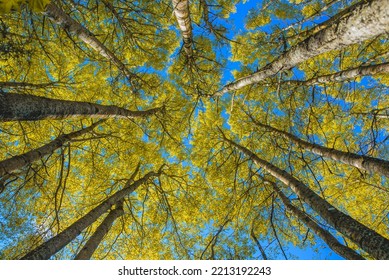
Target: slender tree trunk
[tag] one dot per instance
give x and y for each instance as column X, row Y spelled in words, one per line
column 56, row 243
column 91, row 245
column 8, row 166
column 369, row 240
column 370, row 164
column 327, row 237
column 344, row 75
column 27, row 85
column 24, row 107
column 182, row 13
column 367, row 20
column 253, row 236
column 73, row 27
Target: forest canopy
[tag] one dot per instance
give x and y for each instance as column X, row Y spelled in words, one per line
column 207, row 129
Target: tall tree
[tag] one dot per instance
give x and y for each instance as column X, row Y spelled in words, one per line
column 57, row 15
column 367, row 239
column 25, row 107
column 8, row 166
column 360, row 161
column 93, row 242
column 182, row 13
column 328, row 238
column 367, row 20
column 53, row 245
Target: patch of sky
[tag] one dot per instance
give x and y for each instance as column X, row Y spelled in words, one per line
column 226, row 117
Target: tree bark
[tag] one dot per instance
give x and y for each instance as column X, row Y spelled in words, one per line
column 27, row 85
column 327, row 237
column 344, row 75
column 182, row 13
column 93, row 242
column 25, row 107
column 73, row 27
column 8, row 166
column 56, row 243
column 367, row 239
column 371, row 164
column 368, row 19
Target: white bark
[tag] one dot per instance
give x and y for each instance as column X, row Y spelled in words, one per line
column 344, row 75
column 56, row 243
column 367, row 239
column 368, row 19
column 10, row 165
column 57, row 15
column 182, row 13
column 370, row 164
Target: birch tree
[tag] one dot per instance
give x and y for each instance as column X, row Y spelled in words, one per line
column 58, row 16
column 93, row 242
column 182, row 14
column 360, row 161
column 367, row 20
column 25, row 107
column 367, row 239
column 328, row 238
column 53, row 245
column 10, row 165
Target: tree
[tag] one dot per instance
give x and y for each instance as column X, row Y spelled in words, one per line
column 305, row 166
column 29, row 108
column 360, row 161
column 8, row 166
column 368, row 240
column 53, row 245
column 351, row 29
column 328, row 238
column 181, row 11
column 93, row 242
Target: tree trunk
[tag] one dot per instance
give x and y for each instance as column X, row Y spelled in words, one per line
column 8, row 166
column 26, row 85
column 73, row 27
column 182, row 13
column 327, row 237
column 25, row 107
column 369, row 240
column 56, row 243
column 367, row 20
column 370, row 164
column 91, row 245
column 344, row 75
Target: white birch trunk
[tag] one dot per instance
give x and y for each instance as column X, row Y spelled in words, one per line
column 367, row 239
column 326, row 236
column 73, row 27
column 10, row 165
column 344, row 75
column 94, row 241
column 368, row 19
column 182, row 13
column 371, row 164
column 56, row 243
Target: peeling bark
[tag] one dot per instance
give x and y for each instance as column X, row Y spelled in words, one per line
column 327, row 237
column 367, row 239
column 25, row 107
column 182, row 13
column 59, row 17
column 93, row 242
column 371, row 164
column 56, row 243
column 367, row 20
column 8, row 166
